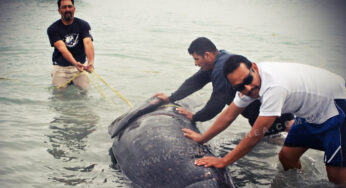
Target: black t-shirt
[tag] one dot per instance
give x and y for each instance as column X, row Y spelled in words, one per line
column 73, row 36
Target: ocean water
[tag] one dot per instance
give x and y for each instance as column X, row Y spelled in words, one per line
column 61, row 140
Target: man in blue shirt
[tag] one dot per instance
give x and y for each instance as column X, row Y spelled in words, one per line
column 211, row 61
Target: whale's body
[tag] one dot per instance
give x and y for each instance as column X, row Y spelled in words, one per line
column 152, row 151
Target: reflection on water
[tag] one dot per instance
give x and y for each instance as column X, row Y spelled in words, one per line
column 73, row 122
column 301, row 178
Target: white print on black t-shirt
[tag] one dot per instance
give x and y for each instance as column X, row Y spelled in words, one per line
column 71, row 40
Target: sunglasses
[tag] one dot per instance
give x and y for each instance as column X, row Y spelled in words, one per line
column 248, row 80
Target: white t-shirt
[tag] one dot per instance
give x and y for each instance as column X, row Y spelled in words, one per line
column 306, row 91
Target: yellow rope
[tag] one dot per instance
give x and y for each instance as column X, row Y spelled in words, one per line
column 97, row 86
column 170, row 105
column 115, row 91
column 70, row 80
column 2, row 78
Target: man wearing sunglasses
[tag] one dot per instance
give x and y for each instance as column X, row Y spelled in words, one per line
column 317, row 97
column 72, row 42
column 211, row 61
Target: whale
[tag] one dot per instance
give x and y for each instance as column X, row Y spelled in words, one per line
column 150, row 148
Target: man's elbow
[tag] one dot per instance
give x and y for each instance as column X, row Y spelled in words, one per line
column 88, row 42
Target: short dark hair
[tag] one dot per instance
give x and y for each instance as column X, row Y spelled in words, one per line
column 201, row 45
column 234, row 62
column 60, row 1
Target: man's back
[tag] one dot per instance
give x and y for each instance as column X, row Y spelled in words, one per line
column 308, row 91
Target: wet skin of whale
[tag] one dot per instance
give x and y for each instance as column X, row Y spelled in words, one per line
column 151, row 150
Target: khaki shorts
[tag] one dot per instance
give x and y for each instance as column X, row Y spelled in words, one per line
column 61, row 75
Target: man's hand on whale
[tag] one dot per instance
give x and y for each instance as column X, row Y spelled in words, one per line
column 207, row 161
column 180, row 110
column 162, row 97
column 193, row 135
column 185, row 112
column 211, row 161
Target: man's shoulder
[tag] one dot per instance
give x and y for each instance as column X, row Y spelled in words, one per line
column 54, row 25
column 220, row 60
column 224, row 52
column 80, row 21
column 222, row 57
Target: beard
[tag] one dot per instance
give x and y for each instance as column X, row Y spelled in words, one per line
column 68, row 16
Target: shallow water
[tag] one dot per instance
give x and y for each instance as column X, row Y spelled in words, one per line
column 61, row 140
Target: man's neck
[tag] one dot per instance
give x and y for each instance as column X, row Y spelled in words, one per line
column 67, row 22
column 215, row 53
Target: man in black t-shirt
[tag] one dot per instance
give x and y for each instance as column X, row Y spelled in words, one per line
column 72, row 42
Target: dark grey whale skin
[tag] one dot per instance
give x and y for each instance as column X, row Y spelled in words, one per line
column 151, row 150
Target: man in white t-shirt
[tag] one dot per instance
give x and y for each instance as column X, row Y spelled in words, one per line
column 315, row 96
